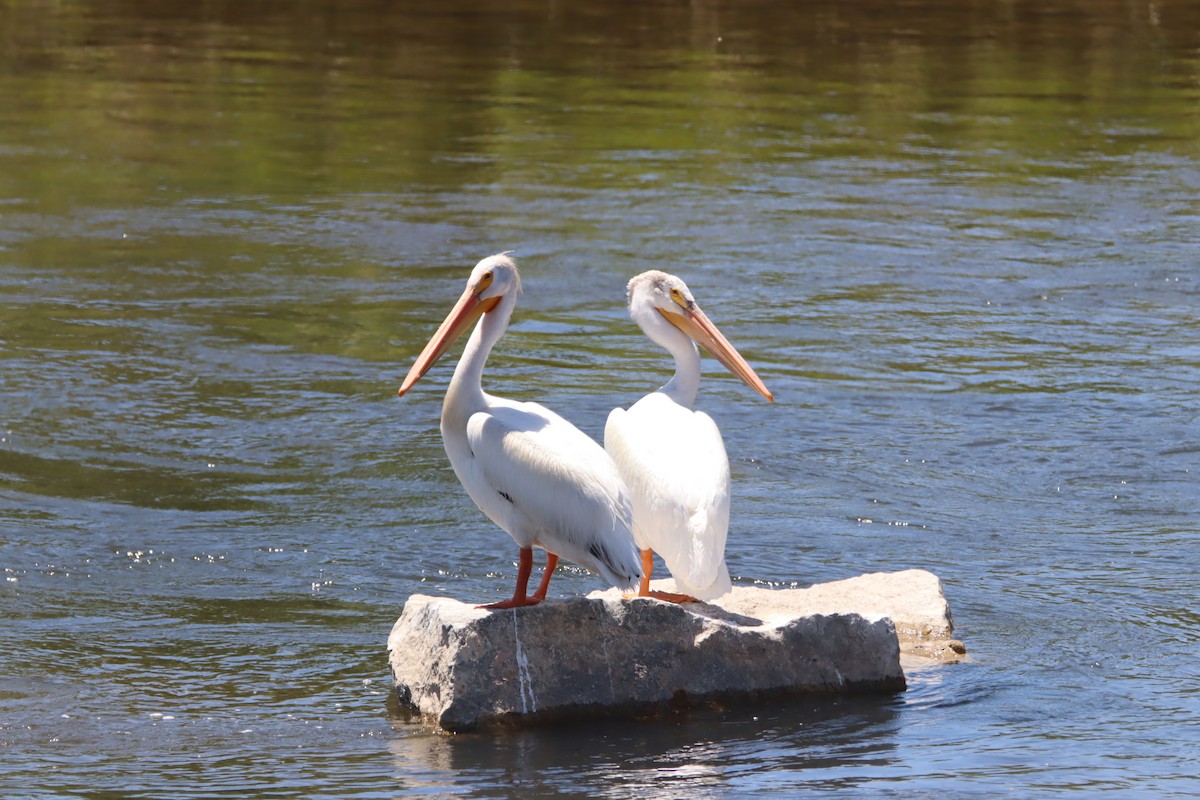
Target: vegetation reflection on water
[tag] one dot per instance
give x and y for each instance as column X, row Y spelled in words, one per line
column 956, row 239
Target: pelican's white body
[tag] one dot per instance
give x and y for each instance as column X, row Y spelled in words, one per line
column 673, row 460
column 543, row 481
column 672, row 457
column 530, row 471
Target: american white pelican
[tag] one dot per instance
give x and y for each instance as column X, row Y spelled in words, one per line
column 673, row 458
column 530, row 471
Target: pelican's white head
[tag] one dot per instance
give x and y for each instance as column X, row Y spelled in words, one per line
column 495, row 276
column 657, row 290
column 493, row 280
column 656, row 294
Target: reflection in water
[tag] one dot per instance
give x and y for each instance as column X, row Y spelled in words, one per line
column 401, row 99
column 956, row 239
column 706, row 753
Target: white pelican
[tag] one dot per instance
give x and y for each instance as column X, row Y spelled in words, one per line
column 530, row 471
column 673, row 458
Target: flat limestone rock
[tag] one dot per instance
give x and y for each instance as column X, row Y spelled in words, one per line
column 463, row 667
column 912, row 599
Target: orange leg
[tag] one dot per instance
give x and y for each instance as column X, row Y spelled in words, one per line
column 647, row 570
column 524, row 567
column 644, row 588
column 551, row 564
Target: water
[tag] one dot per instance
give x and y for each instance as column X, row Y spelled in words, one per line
column 958, row 242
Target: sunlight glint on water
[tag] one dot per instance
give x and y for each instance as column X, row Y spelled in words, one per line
column 956, row 242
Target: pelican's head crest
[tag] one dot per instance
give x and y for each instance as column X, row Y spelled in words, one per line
column 660, row 290
column 496, row 276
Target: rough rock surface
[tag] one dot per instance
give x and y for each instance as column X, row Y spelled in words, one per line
column 462, row 667
column 912, row 599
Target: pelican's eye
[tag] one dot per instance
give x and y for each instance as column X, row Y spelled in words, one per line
column 485, row 280
column 678, row 297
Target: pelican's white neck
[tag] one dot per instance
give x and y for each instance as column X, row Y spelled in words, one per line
column 465, row 394
column 685, row 383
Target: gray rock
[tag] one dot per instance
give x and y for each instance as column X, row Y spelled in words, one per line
column 463, row 667
column 912, row 599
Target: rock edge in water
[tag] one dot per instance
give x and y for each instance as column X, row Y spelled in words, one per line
column 603, row 655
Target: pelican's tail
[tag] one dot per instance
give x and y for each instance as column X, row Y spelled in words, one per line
column 720, row 585
column 618, row 561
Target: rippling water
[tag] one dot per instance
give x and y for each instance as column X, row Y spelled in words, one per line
column 958, row 241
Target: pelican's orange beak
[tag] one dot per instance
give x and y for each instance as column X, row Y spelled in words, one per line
column 466, row 311
column 696, row 324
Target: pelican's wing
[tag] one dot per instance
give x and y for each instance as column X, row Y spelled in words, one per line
column 561, row 485
column 674, row 463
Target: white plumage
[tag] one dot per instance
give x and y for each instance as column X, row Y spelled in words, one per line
column 674, row 461
column 530, row 471
column 673, row 458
